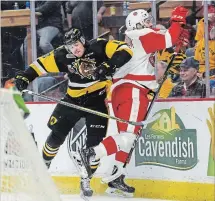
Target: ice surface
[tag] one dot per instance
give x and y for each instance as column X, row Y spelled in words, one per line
column 104, row 198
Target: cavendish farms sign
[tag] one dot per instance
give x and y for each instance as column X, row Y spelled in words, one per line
column 166, row 142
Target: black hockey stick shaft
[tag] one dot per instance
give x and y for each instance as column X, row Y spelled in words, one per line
column 156, row 94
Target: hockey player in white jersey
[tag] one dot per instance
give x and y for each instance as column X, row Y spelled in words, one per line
column 132, row 84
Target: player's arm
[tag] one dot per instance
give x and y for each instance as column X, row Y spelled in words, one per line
column 49, row 63
column 154, row 41
column 117, row 53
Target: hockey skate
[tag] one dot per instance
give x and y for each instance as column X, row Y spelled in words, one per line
column 47, row 163
column 86, row 191
column 118, row 187
column 86, row 156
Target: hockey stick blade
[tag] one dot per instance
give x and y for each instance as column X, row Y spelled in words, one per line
column 142, row 123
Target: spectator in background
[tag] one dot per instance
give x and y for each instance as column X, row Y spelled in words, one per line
column 80, row 16
column 200, row 53
column 165, row 55
column 167, row 85
column 49, row 24
column 200, row 29
column 211, row 23
column 190, row 85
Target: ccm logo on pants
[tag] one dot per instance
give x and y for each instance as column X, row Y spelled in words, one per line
column 97, row 126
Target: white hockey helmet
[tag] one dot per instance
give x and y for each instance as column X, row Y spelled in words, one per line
column 138, row 19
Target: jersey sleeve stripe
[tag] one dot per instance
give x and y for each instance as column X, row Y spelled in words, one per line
column 39, row 67
column 95, row 87
column 125, row 48
column 35, row 68
column 74, row 84
column 48, row 63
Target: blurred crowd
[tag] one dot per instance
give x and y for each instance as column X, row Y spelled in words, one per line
column 55, row 18
column 187, row 74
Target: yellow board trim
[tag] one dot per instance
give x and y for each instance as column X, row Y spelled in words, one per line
column 157, row 189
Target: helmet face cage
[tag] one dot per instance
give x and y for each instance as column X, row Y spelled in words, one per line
column 148, row 21
column 139, row 19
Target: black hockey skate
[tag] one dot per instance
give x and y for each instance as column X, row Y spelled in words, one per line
column 119, row 188
column 85, row 187
column 47, row 163
column 87, row 155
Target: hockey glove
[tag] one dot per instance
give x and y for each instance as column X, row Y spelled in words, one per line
column 179, row 15
column 183, row 39
column 102, row 71
column 21, row 82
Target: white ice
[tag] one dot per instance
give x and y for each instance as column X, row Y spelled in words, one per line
column 104, row 198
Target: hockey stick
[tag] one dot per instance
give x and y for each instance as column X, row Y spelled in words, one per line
column 156, row 94
column 141, row 123
column 119, row 170
column 54, row 86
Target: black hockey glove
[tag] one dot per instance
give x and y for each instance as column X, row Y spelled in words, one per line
column 102, row 71
column 21, row 82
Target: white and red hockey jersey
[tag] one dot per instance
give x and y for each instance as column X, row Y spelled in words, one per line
column 140, row 70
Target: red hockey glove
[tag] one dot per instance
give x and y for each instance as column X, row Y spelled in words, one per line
column 183, row 39
column 179, row 15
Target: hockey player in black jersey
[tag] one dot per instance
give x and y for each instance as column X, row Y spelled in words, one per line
column 86, row 64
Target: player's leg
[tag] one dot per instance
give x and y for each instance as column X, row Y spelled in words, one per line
column 130, row 103
column 96, row 131
column 60, row 123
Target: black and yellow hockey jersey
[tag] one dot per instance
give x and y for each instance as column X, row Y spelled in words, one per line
column 166, row 55
column 114, row 53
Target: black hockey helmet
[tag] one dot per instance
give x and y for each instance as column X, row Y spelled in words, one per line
column 72, row 36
